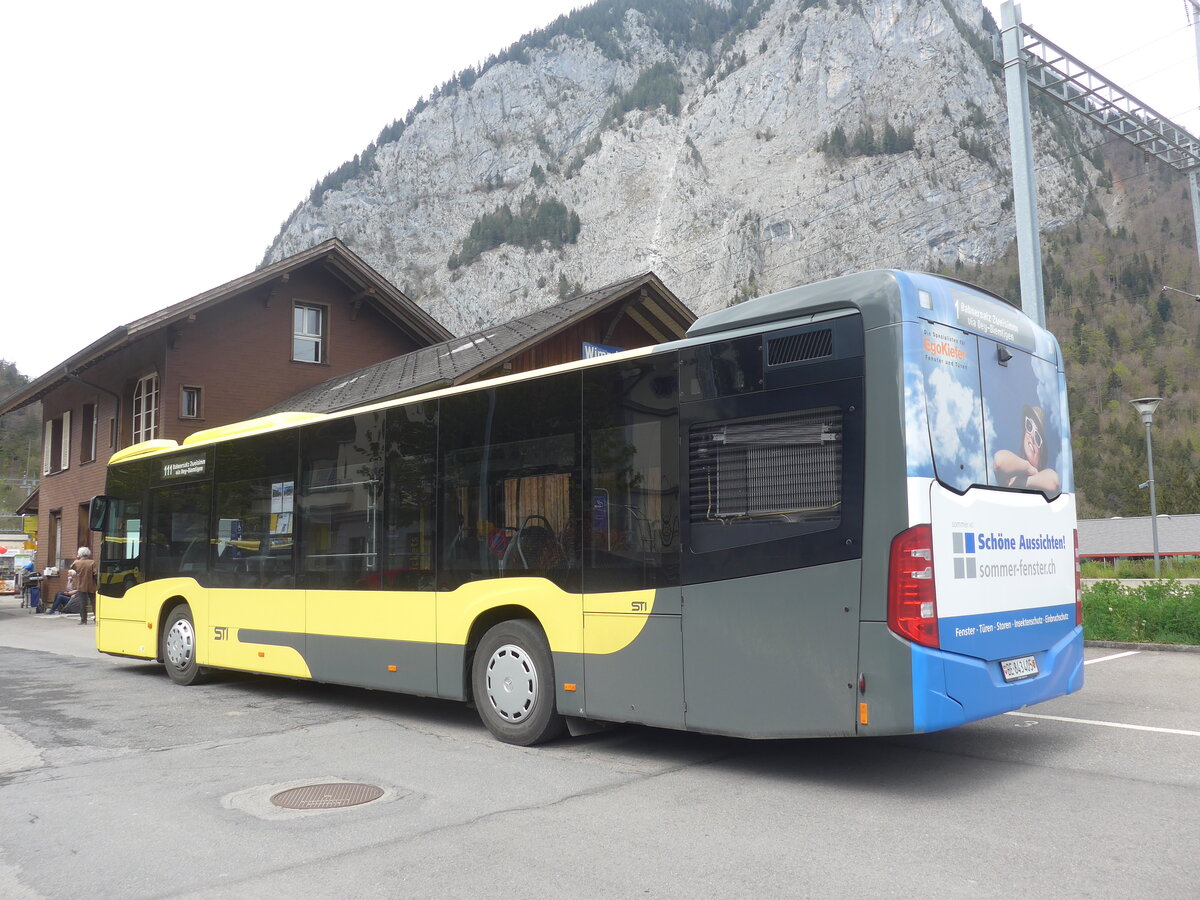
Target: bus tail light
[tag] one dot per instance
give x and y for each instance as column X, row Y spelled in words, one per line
column 912, row 601
column 1078, row 583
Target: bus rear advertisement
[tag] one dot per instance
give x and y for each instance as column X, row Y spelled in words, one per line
column 842, row 509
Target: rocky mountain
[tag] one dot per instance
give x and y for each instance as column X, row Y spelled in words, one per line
column 738, row 147
column 734, row 148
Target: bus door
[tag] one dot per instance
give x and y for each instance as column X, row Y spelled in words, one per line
column 173, row 544
column 256, row 610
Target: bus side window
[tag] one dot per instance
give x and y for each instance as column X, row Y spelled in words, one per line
column 411, row 514
column 631, row 529
column 253, row 542
column 511, row 483
column 177, row 534
column 341, row 499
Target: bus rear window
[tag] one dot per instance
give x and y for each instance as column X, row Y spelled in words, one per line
column 983, row 412
column 945, row 416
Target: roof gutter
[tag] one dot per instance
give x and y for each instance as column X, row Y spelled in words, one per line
column 46, row 382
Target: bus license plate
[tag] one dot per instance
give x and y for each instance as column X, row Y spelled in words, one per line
column 1016, row 669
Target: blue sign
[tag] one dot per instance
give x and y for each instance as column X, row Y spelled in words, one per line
column 591, row 351
column 600, row 510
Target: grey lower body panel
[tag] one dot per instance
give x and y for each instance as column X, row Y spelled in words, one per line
column 642, row 682
column 361, row 662
column 773, row 655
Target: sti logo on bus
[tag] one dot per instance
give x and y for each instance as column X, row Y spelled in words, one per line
column 964, row 554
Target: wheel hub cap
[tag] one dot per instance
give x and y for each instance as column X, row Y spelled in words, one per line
column 512, row 683
column 181, row 643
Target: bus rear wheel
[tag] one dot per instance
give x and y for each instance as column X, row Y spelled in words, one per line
column 179, row 647
column 512, row 679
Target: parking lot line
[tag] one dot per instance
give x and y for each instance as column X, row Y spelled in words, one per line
column 1088, row 662
column 1182, row 731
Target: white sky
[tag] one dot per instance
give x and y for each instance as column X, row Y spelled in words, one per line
column 151, row 150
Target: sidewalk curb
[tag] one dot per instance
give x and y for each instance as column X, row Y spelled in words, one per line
column 1125, row 645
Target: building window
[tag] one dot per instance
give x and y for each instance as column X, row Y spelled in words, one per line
column 308, row 333
column 64, row 457
column 55, row 538
column 189, row 403
column 87, row 433
column 145, row 409
column 56, row 444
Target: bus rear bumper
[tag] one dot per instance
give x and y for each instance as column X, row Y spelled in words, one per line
column 950, row 689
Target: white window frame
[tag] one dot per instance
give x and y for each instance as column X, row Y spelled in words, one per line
column 56, row 524
column 52, row 462
column 301, row 333
column 145, row 408
column 64, row 457
column 198, row 393
column 47, row 447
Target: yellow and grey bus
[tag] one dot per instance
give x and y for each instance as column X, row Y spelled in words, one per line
column 842, row 509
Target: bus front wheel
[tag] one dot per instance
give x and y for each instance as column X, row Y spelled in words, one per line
column 512, row 679
column 179, row 647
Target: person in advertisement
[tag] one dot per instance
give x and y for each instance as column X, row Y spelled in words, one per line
column 84, row 568
column 1030, row 468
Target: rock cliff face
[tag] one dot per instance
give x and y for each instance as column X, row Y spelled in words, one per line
column 722, row 188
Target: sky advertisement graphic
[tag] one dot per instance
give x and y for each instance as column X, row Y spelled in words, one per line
column 985, row 408
column 985, row 405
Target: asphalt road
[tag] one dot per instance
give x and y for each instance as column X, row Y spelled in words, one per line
column 115, row 782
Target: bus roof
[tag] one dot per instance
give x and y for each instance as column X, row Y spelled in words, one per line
column 875, row 294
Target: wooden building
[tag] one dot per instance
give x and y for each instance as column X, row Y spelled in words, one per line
column 216, row 358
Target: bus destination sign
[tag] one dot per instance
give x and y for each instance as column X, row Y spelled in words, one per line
column 182, row 468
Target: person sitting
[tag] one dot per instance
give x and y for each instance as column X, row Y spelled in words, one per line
column 60, row 602
column 62, row 598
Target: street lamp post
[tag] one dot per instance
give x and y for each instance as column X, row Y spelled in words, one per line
column 1146, row 406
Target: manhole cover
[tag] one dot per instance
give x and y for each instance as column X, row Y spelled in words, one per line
column 327, row 796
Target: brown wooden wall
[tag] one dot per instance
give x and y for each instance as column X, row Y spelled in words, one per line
column 567, row 346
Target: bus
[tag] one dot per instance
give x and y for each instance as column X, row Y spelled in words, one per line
column 844, row 509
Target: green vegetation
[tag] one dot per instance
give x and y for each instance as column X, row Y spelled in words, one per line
column 20, row 441
column 535, row 223
column 1120, row 336
column 866, row 142
column 1170, row 567
column 658, row 86
column 1162, row 612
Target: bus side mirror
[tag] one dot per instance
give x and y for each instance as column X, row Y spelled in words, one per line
column 103, row 512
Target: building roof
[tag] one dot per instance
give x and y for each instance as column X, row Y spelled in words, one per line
column 1133, row 536
column 644, row 298
column 367, row 286
column 28, row 506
